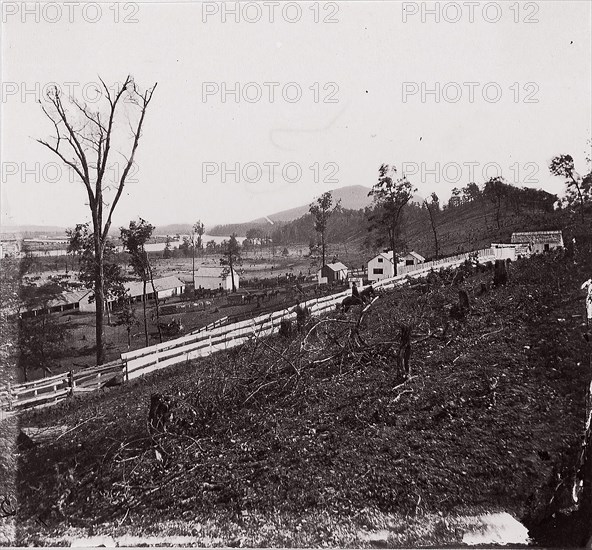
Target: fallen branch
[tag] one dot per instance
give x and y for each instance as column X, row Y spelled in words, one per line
column 78, row 426
column 401, row 395
column 403, row 383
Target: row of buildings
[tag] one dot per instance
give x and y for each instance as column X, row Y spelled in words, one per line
column 381, row 266
column 12, row 247
column 83, row 300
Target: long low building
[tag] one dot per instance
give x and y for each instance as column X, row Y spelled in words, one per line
column 538, row 241
column 67, row 301
column 166, row 287
column 83, row 300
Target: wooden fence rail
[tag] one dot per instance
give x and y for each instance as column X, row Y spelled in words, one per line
column 217, row 336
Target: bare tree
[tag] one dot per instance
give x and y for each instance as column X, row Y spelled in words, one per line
column 84, row 141
column 433, row 208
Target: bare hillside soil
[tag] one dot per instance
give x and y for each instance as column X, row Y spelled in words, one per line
column 310, row 438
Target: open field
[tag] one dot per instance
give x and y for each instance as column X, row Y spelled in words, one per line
column 318, row 438
column 79, row 349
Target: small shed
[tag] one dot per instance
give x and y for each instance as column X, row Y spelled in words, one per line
column 538, row 241
column 411, row 258
column 332, row 273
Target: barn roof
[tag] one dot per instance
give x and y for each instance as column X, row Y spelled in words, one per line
column 63, row 299
column 537, row 237
column 336, row 266
column 135, row 288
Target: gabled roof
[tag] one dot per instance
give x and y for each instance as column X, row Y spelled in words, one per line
column 537, row 237
column 386, row 255
column 389, row 256
column 63, row 299
column 336, row 266
column 135, row 288
column 416, row 256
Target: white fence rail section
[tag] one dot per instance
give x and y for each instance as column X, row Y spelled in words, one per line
column 216, row 336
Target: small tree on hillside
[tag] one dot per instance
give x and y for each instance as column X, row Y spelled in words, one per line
column 471, row 192
column 126, row 317
column 134, row 240
column 390, row 198
column 578, row 189
column 496, row 190
column 321, row 211
column 433, row 208
column 231, row 258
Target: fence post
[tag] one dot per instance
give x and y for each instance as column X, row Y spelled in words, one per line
column 71, row 382
column 9, row 397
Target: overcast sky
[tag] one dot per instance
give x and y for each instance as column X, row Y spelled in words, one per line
column 360, row 67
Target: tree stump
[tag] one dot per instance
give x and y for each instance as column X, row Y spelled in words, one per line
column 159, row 413
column 463, row 301
column 500, row 273
column 404, row 351
column 302, row 315
column 285, row 328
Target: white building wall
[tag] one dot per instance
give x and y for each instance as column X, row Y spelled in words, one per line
column 213, row 283
column 386, row 265
column 504, row 251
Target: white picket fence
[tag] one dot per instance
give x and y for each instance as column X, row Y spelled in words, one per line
column 200, row 343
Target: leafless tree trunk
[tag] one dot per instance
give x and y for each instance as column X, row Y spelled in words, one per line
column 433, row 224
column 84, row 143
column 144, row 310
column 156, row 302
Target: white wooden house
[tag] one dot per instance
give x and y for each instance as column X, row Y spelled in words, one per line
column 382, row 266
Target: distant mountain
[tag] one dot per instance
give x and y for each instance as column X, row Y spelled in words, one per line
column 353, row 197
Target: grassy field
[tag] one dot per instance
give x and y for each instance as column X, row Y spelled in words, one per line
column 318, row 439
